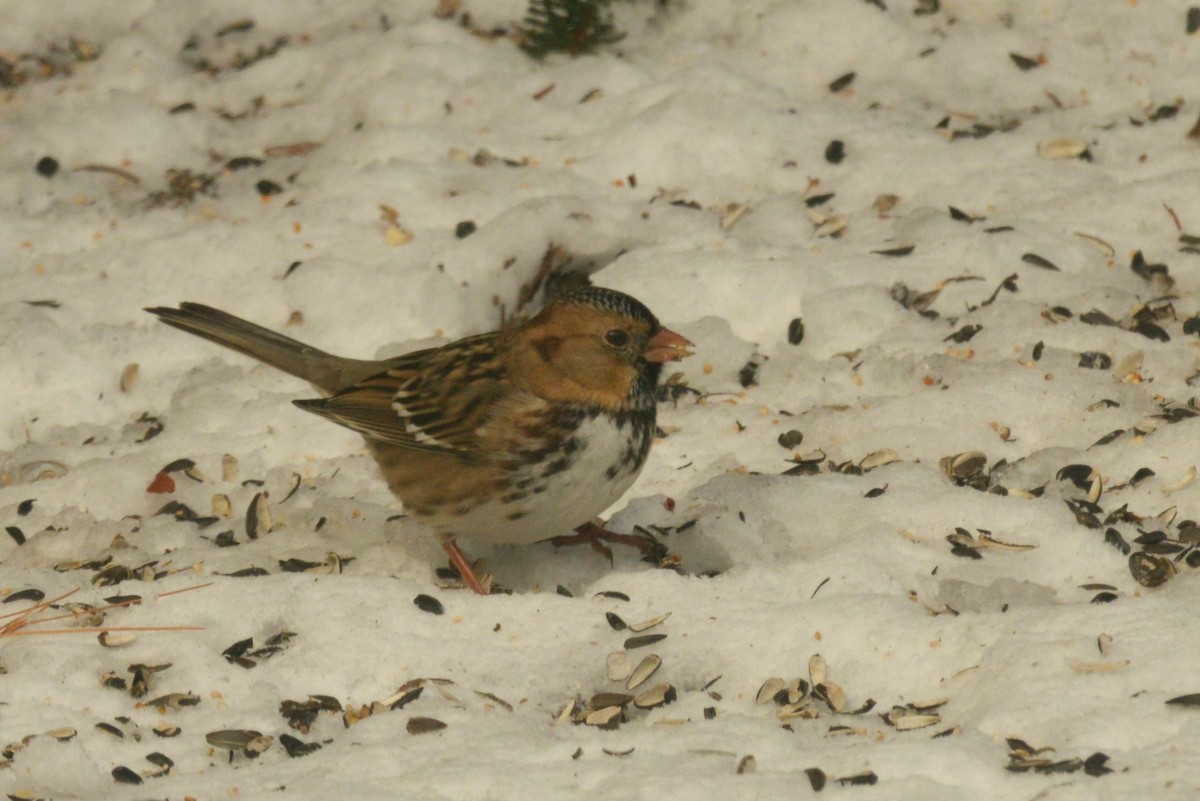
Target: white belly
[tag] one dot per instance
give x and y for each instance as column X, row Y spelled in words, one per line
column 570, row 497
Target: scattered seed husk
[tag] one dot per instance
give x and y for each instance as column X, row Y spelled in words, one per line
column 1148, row 425
column 800, row 711
column 1167, row 516
column 178, row 466
column 232, row 739
column 124, row 775
column 615, row 621
column 840, row 83
column 816, row 779
column 988, row 541
column 108, row 728
column 229, row 467
column 174, row 700
column 112, row 681
column 427, row 603
column 619, row 666
column 655, row 696
column 607, row 718
column 1108, row 250
column 858, row 779
column 495, row 699
column 964, row 466
column 1093, row 586
column 732, row 213
column 832, row 227
column 797, row 690
column 648, row 624
column 63, row 734
column 258, row 516
column 1129, row 367
column 818, row 670
column 645, row 669
column 1183, row 483
column 878, row 459
column 642, row 640
column 884, row 203
column 566, row 713
column 929, row 705
column 111, row 575
column 795, row 334
column 129, row 375
column 604, row 700
column 353, row 715
column 1151, row 570
column 769, row 689
column 422, row 725
column 258, row 745
column 221, row 505
column 790, row 439
column 896, row 252
column 1024, row 63
column 21, row 596
column 613, row 752
column 397, row 700
column 907, row 720
column 295, row 747
column 832, row 694
column 1085, row 512
column 1039, row 261
column 140, row 684
column 1063, row 148
column 165, row 729
column 1189, row 700
column 116, row 639
column 961, row 216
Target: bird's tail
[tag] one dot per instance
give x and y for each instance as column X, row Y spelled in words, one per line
column 324, row 371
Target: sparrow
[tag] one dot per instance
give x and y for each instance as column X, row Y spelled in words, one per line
column 510, row 437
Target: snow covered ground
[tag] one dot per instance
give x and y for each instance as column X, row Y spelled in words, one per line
column 995, row 261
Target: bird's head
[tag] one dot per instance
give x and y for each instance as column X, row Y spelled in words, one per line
column 594, row 346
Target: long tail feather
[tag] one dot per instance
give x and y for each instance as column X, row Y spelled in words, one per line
column 325, row 371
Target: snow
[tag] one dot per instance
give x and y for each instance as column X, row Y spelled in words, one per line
column 722, row 105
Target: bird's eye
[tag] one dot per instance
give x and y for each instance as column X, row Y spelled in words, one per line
column 617, row 338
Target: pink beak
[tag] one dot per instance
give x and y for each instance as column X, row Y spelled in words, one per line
column 666, row 346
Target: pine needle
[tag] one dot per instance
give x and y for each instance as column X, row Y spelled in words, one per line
column 96, row 630
column 17, row 627
column 567, row 26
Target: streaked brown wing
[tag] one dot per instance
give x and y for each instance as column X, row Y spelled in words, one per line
column 431, row 400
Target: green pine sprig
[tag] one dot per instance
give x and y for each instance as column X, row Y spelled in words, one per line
column 568, row 26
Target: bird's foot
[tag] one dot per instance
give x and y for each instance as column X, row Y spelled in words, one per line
column 596, row 536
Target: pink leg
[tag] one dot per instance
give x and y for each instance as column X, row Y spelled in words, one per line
column 459, row 560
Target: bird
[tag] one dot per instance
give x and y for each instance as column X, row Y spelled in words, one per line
column 510, row 437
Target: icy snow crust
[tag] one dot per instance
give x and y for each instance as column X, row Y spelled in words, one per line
column 708, row 103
